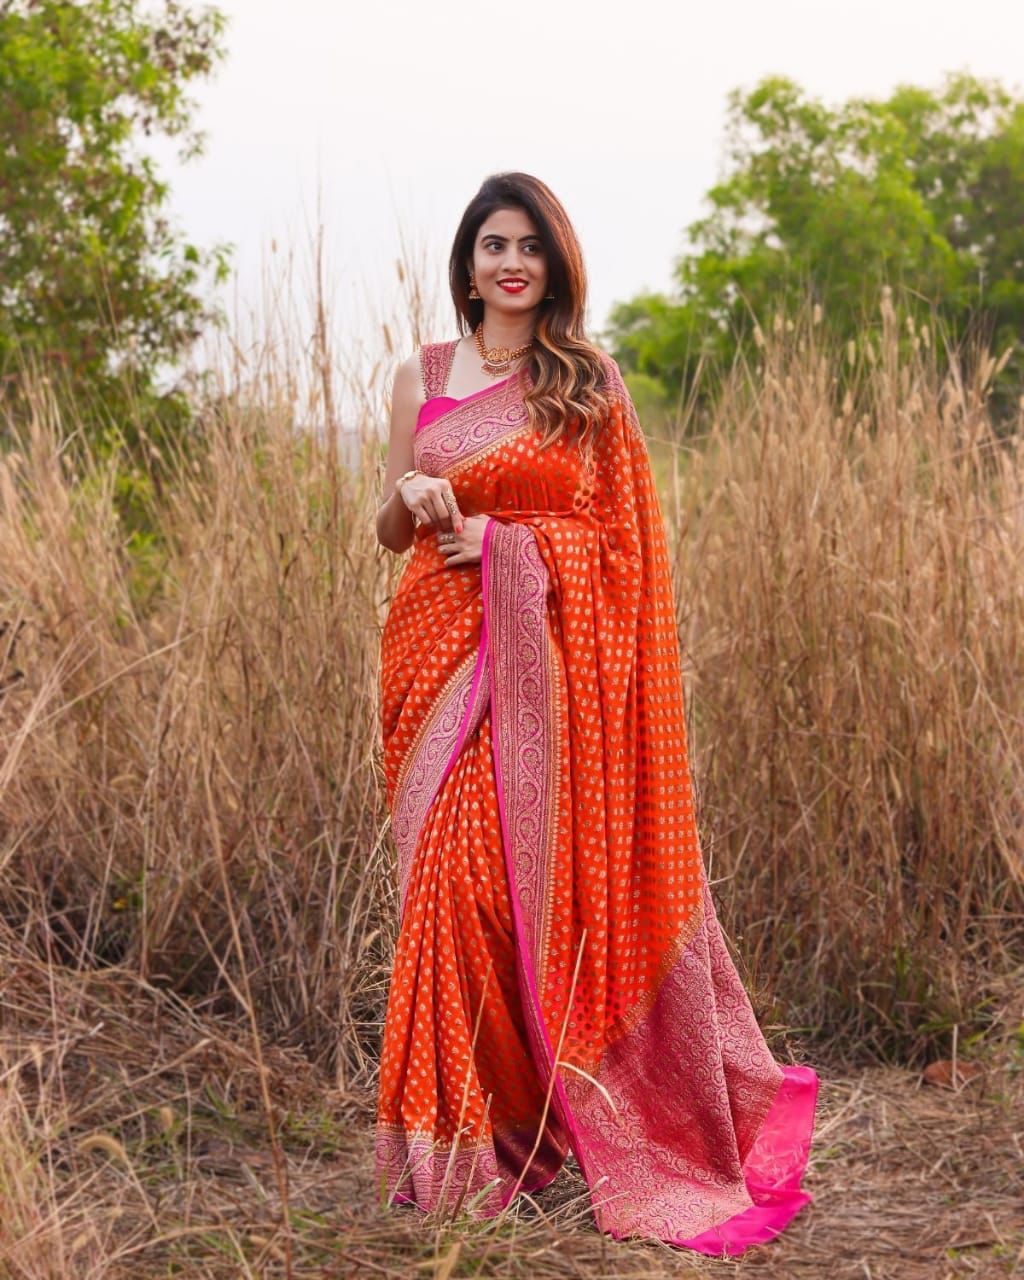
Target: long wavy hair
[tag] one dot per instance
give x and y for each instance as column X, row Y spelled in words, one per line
column 567, row 369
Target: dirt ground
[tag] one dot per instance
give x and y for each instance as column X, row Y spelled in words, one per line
column 134, row 1143
column 910, row 1182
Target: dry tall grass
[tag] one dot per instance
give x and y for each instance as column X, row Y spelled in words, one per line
column 851, row 571
column 194, row 844
column 188, row 781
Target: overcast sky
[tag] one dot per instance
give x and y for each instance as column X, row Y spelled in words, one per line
column 397, row 111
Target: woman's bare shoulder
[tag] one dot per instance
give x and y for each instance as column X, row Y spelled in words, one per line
column 407, row 375
column 406, row 397
column 410, row 365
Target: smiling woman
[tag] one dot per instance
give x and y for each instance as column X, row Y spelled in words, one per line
column 494, row 247
column 560, row 979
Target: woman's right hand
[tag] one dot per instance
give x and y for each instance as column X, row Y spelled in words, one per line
column 425, row 496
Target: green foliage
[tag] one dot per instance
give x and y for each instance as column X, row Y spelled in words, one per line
column 97, row 287
column 920, row 191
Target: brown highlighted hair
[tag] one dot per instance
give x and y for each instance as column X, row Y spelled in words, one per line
column 568, row 371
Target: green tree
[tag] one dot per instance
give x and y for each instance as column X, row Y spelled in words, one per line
column 921, row 191
column 97, row 287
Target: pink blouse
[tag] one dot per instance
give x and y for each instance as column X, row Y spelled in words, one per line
column 436, row 405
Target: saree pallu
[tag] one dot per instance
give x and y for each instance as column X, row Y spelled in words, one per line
column 560, row 980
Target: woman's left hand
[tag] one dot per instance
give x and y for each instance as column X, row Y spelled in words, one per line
column 465, row 547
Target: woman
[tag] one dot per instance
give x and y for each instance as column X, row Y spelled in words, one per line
column 554, row 903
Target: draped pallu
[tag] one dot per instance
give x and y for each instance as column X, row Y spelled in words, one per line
column 561, row 981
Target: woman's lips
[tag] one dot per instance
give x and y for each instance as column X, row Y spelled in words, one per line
column 512, row 286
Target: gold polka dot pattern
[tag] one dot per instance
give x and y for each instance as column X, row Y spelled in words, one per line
column 625, row 867
column 555, row 889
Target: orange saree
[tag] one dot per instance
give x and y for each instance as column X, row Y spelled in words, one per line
column 560, row 980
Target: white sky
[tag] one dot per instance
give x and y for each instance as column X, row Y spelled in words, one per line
column 398, row 110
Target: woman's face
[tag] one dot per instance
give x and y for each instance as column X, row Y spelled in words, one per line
column 508, row 248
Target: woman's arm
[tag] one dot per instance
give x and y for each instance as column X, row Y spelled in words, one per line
column 395, row 527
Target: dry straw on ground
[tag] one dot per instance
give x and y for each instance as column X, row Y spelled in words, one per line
column 133, row 1143
column 196, row 896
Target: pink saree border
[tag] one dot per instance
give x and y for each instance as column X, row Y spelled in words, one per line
column 471, row 427
column 434, row 406
column 772, row 1171
column 758, row 1116
column 515, row 614
column 715, row 1167
column 454, row 720
column 543, row 1051
column 434, row 1175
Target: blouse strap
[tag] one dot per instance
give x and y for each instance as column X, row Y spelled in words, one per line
column 435, row 366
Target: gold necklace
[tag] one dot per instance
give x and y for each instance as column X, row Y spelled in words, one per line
column 497, row 359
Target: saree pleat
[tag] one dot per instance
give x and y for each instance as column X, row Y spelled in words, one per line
column 560, row 978
column 455, row 1033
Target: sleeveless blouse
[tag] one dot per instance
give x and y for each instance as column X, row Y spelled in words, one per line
column 435, row 368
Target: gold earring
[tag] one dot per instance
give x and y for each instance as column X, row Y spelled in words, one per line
column 474, row 292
